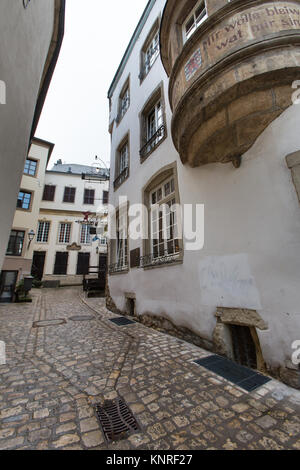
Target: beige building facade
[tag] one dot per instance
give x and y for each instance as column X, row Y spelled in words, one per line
column 204, row 112
column 30, row 36
column 19, row 252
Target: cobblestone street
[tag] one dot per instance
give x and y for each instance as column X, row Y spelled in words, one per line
column 55, row 374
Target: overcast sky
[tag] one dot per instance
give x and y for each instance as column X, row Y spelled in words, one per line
column 75, row 114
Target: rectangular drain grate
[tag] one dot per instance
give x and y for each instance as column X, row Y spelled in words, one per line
column 242, row 376
column 122, row 321
column 116, row 419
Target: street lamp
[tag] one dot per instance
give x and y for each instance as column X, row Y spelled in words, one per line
column 31, row 236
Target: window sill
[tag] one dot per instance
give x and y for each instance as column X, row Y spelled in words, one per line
column 162, row 262
column 116, row 271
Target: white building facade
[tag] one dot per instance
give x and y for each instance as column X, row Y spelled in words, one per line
column 242, row 286
column 71, row 230
column 30, row 36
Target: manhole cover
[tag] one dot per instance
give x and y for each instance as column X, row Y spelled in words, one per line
column 116, row 419
column 43, row 323
column 81, row 318
column 122, row 321
column 246, row 378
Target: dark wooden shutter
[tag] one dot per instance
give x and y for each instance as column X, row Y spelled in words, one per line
column 69, row 194
column 49, row 192
column 61, row 263
column 135, row 258
column 105, row 197
column 83, row 263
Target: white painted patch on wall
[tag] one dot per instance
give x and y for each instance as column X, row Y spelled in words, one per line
column 226, row 281
column 2, row 92
column 2, row 353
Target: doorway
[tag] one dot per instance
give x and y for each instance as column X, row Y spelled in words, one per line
column 8, row 282
column 83, row 263
column 244, row 349
column 61, row 263
column 102, row 264
column 38, row 263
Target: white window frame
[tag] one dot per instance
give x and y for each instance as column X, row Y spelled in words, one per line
column 164, row 237
column 64, row 233
column 85, row 236
column 124, row 102
column 123, row 158
column 43, row 232
column 122, row 241
column 151, row 53
column 197, row 20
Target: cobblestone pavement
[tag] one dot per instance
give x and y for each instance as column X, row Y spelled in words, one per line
column 55, row 374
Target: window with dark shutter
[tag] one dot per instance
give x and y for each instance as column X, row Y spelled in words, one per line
column 89, row 196
column 49, row 192
column 105, row 197
column 69, row 194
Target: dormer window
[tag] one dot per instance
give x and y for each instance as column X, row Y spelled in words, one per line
column 195, row 19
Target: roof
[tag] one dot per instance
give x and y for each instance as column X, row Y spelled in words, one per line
column 75, row 169
column 44, row 143
column 130, row 46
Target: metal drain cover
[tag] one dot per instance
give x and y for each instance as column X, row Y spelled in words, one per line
column 116, row 419
column 122, row 321
column 81, row 318
column 43, row 323
column 246, row 378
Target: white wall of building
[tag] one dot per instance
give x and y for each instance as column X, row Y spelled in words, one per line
column 58, row 212
column 25, row 37
column 251, row 255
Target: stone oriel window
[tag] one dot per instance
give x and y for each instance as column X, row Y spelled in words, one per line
column 153, row 123
column 194, row 20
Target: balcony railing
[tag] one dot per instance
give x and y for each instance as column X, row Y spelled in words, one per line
column 117, row 268
column 153, row 142
column 167, row 258
column 121, row 178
